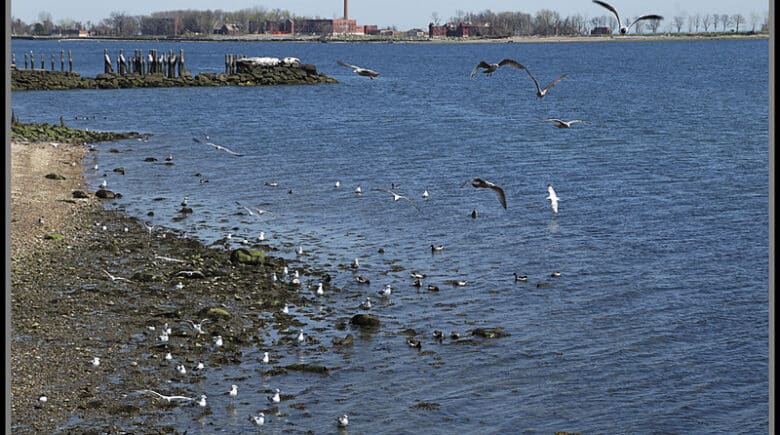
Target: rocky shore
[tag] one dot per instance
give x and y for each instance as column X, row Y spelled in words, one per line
column 282, row 74
column 91, row 283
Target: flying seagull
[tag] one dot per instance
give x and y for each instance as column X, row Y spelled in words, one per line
column 217, row 147
column 541, row 92
column 480, row 183
column 553, row 198
column 559, row 123
column 490, row 68
column 168, row 398
column 624, row 29
column 397, row 197
column 365, row 72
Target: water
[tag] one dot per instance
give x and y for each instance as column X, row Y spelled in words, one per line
column 659, row 321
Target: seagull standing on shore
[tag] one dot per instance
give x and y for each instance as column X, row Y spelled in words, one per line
column 480, row 183
column 490, row 68
column 365, row 72
column 624, row 29
column 553, row 198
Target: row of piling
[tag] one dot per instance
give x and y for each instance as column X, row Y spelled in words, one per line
column 29, row 61
column 157, row 62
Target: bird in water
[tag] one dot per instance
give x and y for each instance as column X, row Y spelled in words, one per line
column 342, row 420
column 490, row 68
column 365, row 72
column 541, row 92
column 559, row 123
column 624, row 29
column 520, row 278
column 553, row 197
column 480, row 183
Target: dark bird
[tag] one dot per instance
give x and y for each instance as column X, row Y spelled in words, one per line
column 541, row 92
column 365, row 72
column 490, row 68
column 480, row 183
column 559, row 123
column 624, row 29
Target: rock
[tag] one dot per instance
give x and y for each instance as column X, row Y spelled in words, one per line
column 247, row 256
column 54, row 176
column 80, row 194
column 346, row 341
column 105, row 194
column 364, row 321
column 496, row 332
column 53, row 236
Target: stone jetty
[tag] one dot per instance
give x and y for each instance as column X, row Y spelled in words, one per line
column 245, row 71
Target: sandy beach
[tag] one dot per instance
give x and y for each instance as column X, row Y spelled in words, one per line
column 66, row 310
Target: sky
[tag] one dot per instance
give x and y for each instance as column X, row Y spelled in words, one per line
column 404, row 14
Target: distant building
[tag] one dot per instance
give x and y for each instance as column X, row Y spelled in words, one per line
column 227, row 29
column 83, row 33
column 450, row 30
column 371, row 30
column 601, row 31
column 415, row 32
column 278, row 27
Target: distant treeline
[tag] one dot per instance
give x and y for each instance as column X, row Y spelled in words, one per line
column 257, row 20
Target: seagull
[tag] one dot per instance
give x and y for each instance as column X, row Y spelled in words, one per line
column 436, row 248
column 169, row 398
column 480, row 183
column 553, row 198
column 520, row 277
column 358, row 190
column 342, row 420
column 425, row 194
column 365, row 72
column 181, row 369
column 233, row 391
column 286, row 309
column 555, row 274
column 338, row 184
column 179, row 286
column 198, row 327
column 218, row 341
column 355, row 263
column 414, row 343
column 362, row 279
column 300, row 336
column 490, row 68
column 541, row 92
column 218, row 147
column 275, row 398
column 95, row 361
column 366, row 305
column 115, row 278
column 168, row 356
column 433, row 288
column 320, row 290
column 266, row 358
column 417, row 275
column 261, row 237
column 103, row 184
column 202, row 401
column 200, row 366
column 624, row 29
column 559, row 123
column 386, row 291
column 397, row 197
column 258, row 419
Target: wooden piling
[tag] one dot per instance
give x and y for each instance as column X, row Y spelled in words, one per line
column 62, row 60
column 70, row 61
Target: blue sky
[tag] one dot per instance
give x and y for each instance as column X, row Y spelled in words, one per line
column 404, row 14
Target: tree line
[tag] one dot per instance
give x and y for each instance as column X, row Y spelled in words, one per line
column 486, row 23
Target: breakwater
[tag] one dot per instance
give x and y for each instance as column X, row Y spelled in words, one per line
column 243, row 71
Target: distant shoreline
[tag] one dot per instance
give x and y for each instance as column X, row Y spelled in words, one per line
column 418, row 40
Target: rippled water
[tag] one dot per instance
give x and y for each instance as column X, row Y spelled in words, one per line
column 659, row 320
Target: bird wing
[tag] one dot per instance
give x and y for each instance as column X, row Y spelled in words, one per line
column 536, row 82
column 511, row 62
column 555, row 120
column 500, row 192
column 647, row 17
column 481, row 64
column 347, row 65
column 554, row 82
column 610, row 8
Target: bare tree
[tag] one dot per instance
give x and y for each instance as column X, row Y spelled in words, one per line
column 705, row 22
column 690, row 23
column 715, row 21
column 697, row 22
column 435, row 19
column 654, row 25
column 678, row 22
column 737, row 19
column 755, row 20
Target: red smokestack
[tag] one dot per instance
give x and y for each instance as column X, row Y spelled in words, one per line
column 346, row 12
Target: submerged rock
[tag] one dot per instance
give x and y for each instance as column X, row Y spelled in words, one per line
column 364, row 321
column 496, row 332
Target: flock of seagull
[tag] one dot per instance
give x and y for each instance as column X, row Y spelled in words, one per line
column 342, row 421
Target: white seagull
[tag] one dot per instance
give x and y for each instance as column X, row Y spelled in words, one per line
column 258, row 419
column 266, row 359
column 343, row 420
column 624, row 29
column 553, row 198
column 233, row 391
column 218, row 341
column 365, row 72
column 480, row 183
column 300, row 336
column 386, row 291
column 198, row 327
column 559, row 123
column 275, row 398
column 115, row 278
column 169, row 398
column 358, row 190
column 397, row 197
column 218, row 147
column 95, row 361
column 490, row 68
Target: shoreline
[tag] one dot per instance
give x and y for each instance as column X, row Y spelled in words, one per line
column 417, row 40
column 65, row 310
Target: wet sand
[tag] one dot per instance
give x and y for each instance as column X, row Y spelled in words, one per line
column 66, row 310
